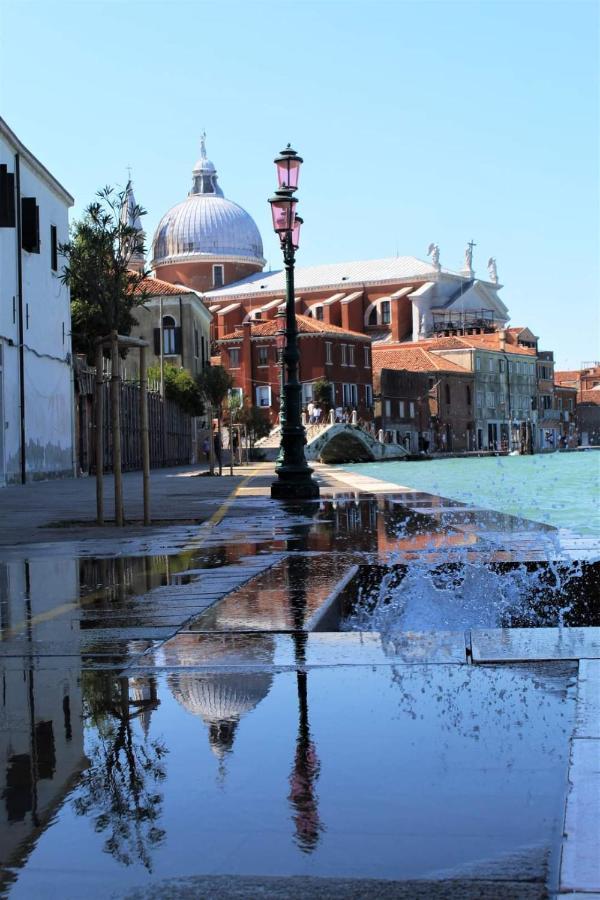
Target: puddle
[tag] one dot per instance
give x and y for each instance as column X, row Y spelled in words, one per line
column 393, row 772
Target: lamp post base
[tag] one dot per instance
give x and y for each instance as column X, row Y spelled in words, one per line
column 294, row 483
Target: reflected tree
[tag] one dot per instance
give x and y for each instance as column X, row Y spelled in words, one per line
column 119, row 790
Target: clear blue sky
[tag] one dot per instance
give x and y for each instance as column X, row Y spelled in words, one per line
column 418, row 122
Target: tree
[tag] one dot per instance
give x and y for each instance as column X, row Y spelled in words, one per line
column 322, row 392
column 181, row 387
column 104, row 290
column 214, row 384
column 256, row 422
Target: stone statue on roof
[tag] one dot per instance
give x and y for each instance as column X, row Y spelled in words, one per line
column 468, row 267
column 434, row 252
column 491, row 264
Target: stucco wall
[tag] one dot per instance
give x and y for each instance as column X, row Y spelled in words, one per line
column 46, row 338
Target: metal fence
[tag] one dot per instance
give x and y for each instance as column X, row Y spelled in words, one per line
column 170, row 429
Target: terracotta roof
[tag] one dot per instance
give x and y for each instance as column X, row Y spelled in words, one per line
column 569, row 376
column 306, row 325
column 155, row 287
column 475, row 341
column 413, row 359
column 592, row 396
column 215, row 360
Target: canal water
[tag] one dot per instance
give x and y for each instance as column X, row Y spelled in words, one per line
column 559, row 489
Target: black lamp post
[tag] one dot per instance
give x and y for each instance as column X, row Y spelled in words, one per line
column 294, row 476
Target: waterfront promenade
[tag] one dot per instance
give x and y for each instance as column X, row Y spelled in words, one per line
column 281, row 761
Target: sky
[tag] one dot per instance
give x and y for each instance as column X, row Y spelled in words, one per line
column 417, row 121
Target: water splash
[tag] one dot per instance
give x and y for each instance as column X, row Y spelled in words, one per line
column 417, row 596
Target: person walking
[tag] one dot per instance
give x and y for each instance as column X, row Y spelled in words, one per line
column 310, row 409
column 206, row 449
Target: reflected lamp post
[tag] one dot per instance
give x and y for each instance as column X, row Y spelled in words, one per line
column 294, row 476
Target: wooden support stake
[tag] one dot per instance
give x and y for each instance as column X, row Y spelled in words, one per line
column 115, row 402
column 99, row 437
column 145, row 435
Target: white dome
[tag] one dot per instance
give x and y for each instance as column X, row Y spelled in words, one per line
column 206, row 226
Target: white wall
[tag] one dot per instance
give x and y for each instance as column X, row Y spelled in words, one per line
column 46, row 337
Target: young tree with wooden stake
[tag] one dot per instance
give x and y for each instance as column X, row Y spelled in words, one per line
column 215, row 382
column 102, row 270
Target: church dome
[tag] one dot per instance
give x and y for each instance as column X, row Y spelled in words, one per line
column 206, row 226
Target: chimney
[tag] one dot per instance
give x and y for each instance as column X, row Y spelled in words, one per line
column 502, row 335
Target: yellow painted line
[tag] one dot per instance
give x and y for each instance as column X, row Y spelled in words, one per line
column 63, row 608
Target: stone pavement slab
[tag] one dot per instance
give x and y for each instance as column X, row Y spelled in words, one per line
column 279, row 651
column 515, row 644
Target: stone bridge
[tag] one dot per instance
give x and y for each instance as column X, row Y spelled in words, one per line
column 341, row 443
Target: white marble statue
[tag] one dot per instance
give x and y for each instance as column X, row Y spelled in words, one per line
column 469, row 256
column 492, row 269
column 434, row 252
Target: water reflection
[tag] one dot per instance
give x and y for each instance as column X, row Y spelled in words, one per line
column 119, row 790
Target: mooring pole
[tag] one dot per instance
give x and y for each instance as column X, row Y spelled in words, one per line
column 145, row 437
column 99, row 436
column 116, row 425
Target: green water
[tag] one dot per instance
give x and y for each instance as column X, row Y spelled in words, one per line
column 559, row 489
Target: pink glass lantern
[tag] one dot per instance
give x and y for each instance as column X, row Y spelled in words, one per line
column 283, row 210
column 288, row 168
column 298, row 222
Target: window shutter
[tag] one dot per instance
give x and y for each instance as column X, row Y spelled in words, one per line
column 7, row 198
column 53, row 248
column 157, row 341
column 178, row 340
column 30, row 225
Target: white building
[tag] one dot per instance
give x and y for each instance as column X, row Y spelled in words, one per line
column 36, row 393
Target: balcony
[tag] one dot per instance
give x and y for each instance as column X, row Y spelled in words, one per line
column 475, row 321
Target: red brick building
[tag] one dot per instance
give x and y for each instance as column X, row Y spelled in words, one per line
column 586, row 383
column 342, row 357
column 422, row 399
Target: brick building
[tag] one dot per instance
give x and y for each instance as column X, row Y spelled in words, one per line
column 342, row 357
column 423, row 400
column 586, row 383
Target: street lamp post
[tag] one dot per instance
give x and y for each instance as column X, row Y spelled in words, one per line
column 294, row 476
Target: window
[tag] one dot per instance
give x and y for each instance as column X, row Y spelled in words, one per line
column 387, row 407
column 501, row 365
column 344, row 351
column 234, row 357
column 307, row 392
column 351, row 354
column 319, row 313
column 263, row 395
column 7, row 198
column 218, row 276
column 367, row 357
column 53, row 249
column 169, row 336
column 447, row 393
column 468, row 395
column 490, row 364
column 478, row 363
column 350, row 395
column 236, row 392
column 328, row 353
column 30, row 225
column 368, row 395
column 411, row 409
column 431, row 383
column 401, row 407
column 196, row 343
column 385, row 312
column 479, row 398
column 263, row 356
